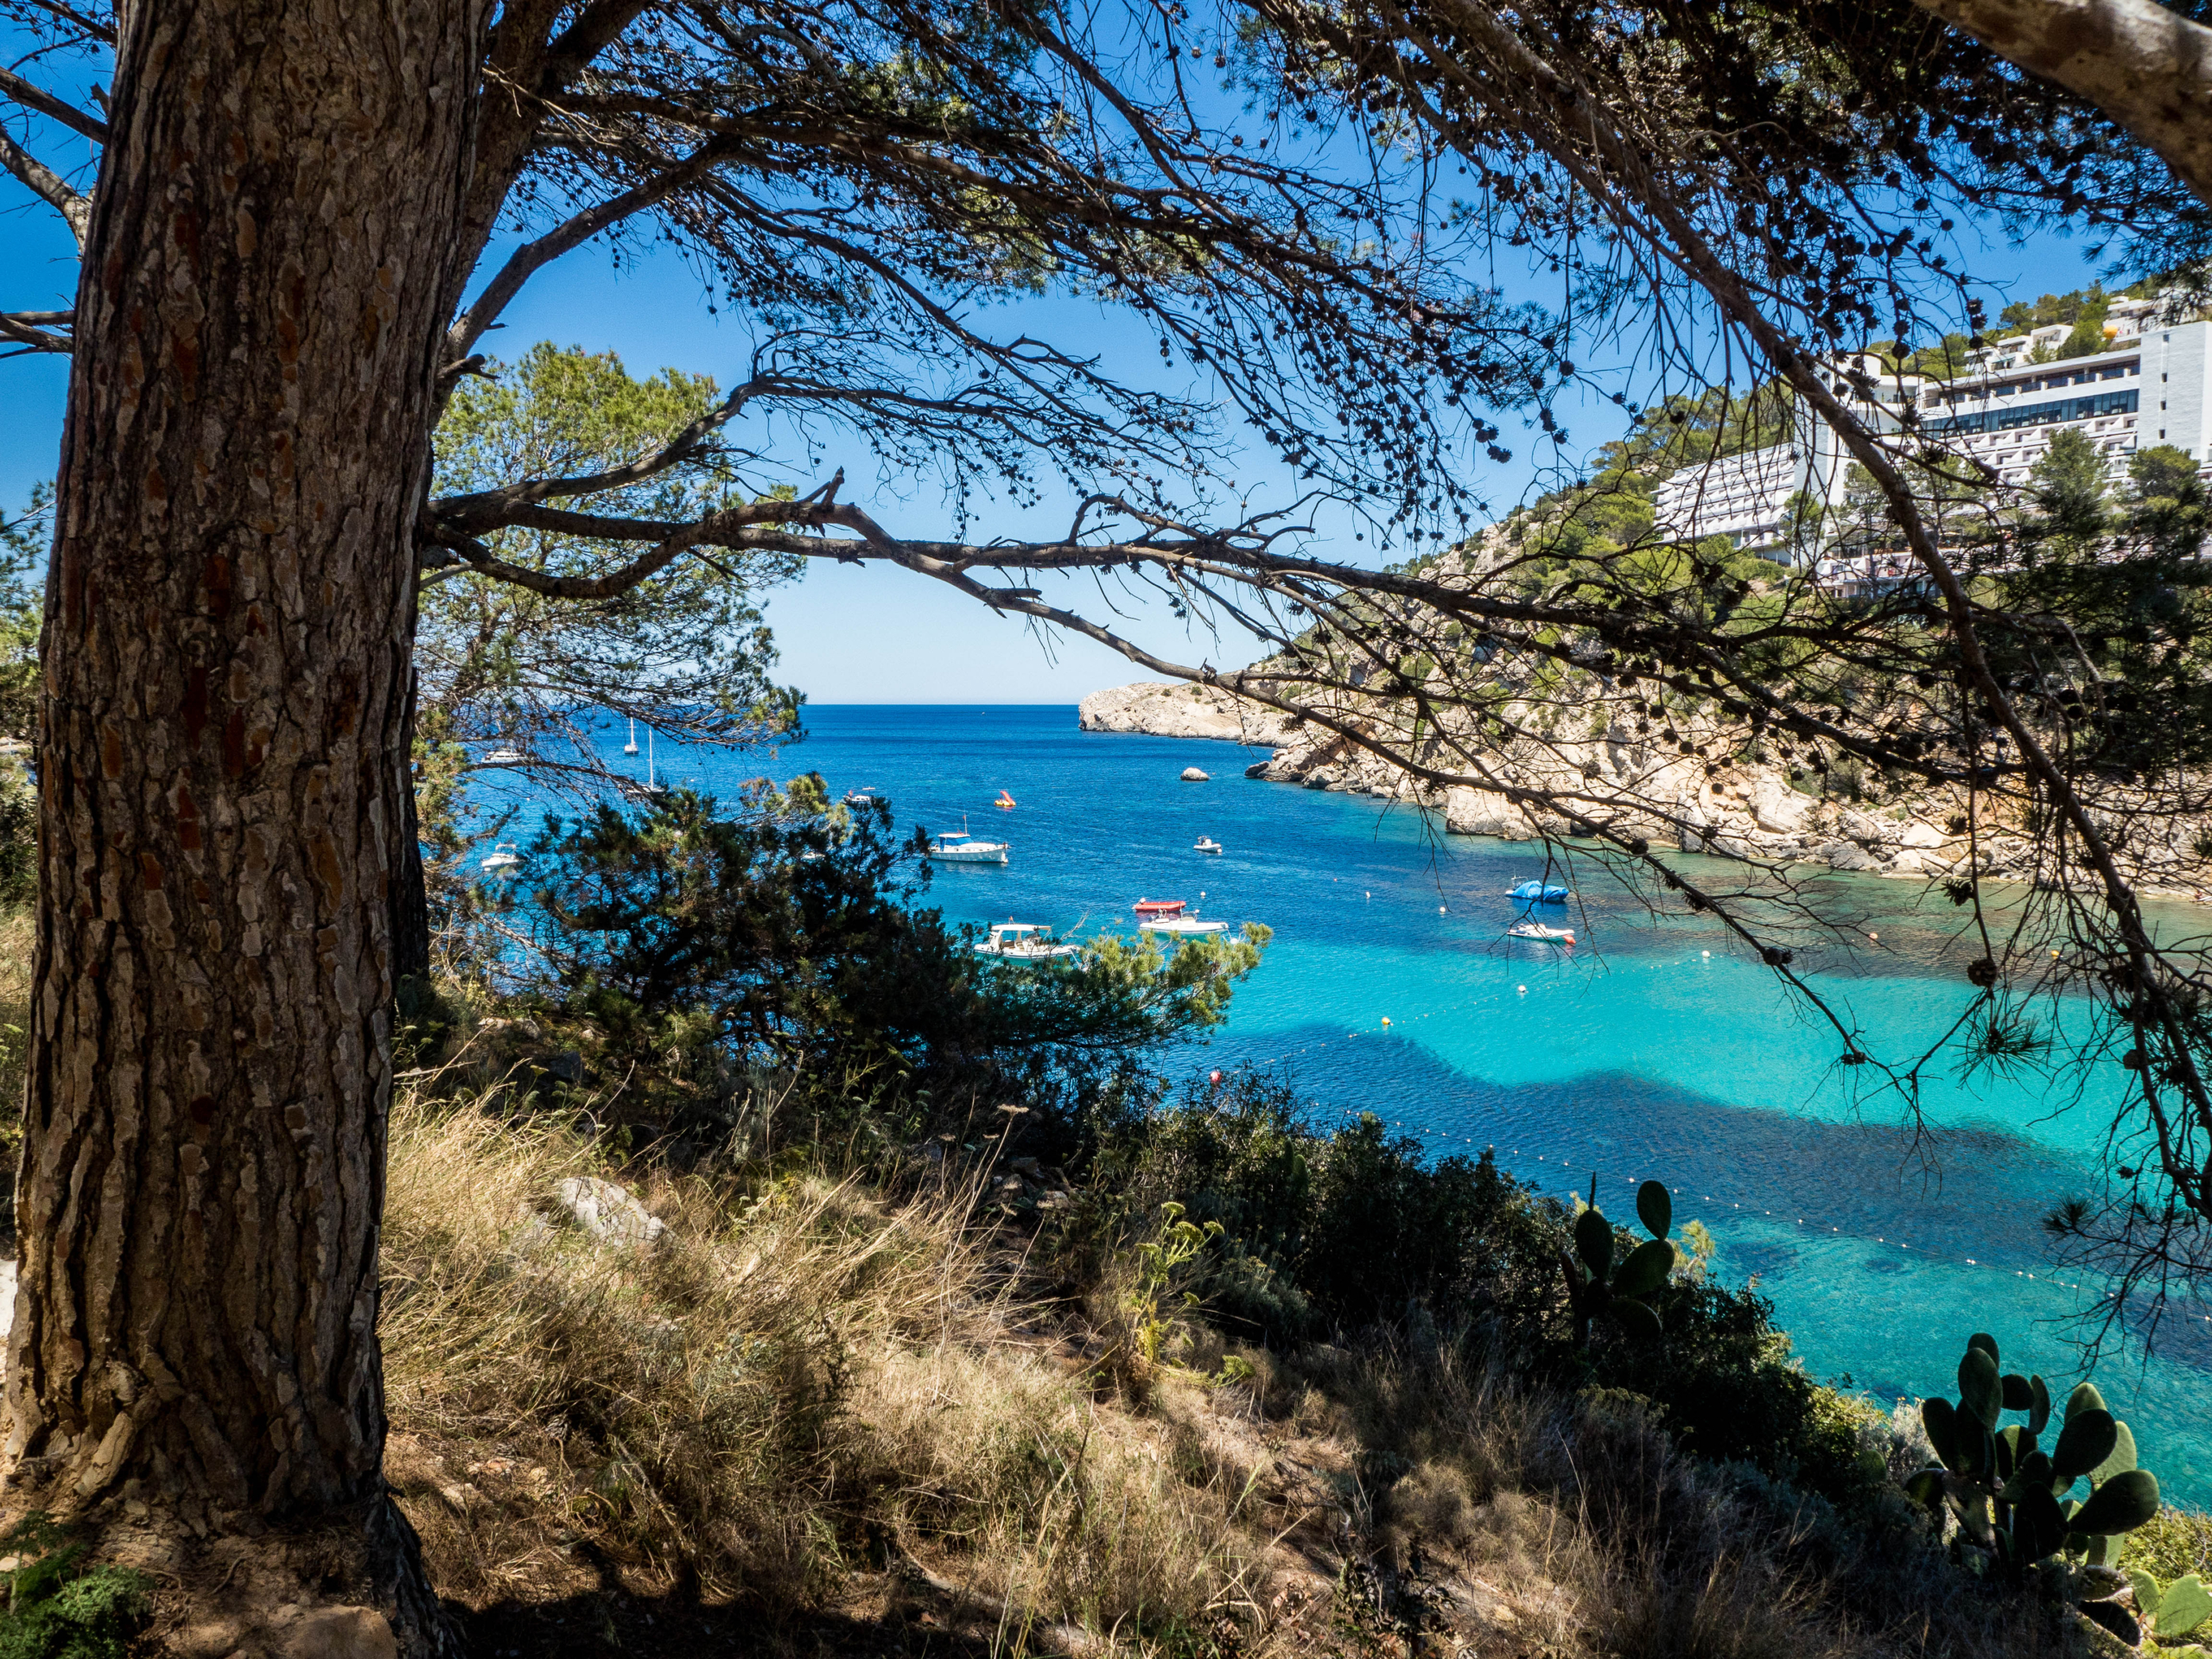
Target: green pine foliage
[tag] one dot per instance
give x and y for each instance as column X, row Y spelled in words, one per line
column 2066, row 491
column 2121, row 566
column 59, row 1606
column 702, row 944
column 687, row 647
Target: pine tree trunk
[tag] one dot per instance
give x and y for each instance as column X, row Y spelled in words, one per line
column 224, row 766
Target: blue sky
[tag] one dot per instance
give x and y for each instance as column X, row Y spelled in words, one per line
column 863, row 633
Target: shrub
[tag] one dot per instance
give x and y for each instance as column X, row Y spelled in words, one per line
column 18, row 835
column 60, row 1606
column 698, row 946
column 1356, row 1228
column 1350, row 1228
column 1722, row 1382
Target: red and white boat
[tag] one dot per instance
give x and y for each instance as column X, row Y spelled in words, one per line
column 1153, row 908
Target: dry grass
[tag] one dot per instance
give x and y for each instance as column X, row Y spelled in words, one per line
column 800, row 1383
column 1525, row 1523
column 817, row 1401
column 18, row 932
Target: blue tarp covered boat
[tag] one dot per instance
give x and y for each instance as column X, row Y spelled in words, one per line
column 1537, row 893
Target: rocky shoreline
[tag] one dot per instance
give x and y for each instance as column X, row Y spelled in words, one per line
column 1697, row 794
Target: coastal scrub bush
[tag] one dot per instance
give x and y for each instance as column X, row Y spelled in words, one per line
column 1723, row 1381
column 698, row 945
column 1342, row 1229
column 1354, row 1228
column 59, row 1606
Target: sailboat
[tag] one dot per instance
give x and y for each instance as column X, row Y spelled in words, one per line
column 631, row 747
column 652, row 785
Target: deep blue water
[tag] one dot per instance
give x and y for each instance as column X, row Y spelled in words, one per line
column 1657, row 1049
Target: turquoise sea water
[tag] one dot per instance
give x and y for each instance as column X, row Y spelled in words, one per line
column 1641, row 1055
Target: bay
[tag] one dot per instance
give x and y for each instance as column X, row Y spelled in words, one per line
column 1659, row 1048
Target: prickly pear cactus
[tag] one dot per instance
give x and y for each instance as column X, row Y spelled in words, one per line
column 2014, row 1501
column 1598, row 1287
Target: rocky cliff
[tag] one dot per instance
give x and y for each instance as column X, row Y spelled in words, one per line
column 1182, row 710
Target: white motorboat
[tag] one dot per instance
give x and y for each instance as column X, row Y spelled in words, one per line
column 504, row 757
column 1182, row 927
column 1205, row 844
column 1025, row 942
column 958, row 847
column 1539, row 931
column 502, row 856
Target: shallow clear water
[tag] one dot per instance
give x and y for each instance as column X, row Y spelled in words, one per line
column 1639, row 1055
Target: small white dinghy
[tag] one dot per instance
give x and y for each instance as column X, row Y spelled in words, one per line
column 1182, row 927
column 1205, row 844
column 1025, row 942
column 1539, row 931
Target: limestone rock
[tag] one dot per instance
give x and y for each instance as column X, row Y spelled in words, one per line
column 1484, row 812
column 208, row 1639
column 341, row 1633
column 1192, row 775
column 608, row 1211
column 1843, row 856
column 1778, row 809
column 1183, row 710
column 1690, row 837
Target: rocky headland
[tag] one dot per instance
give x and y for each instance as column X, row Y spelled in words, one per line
column 1693, row 788
column 1184, row 710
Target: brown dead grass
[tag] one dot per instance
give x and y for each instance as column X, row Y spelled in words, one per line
column 828, row 1411
column 800, row 1383
column 18, row 932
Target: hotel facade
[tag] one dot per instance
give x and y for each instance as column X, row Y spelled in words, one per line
column 2147, row 387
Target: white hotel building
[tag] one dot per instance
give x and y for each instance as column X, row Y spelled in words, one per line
column 2147, row 387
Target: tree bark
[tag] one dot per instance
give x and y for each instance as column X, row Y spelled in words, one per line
column 2145, row 66
column 269, row 268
